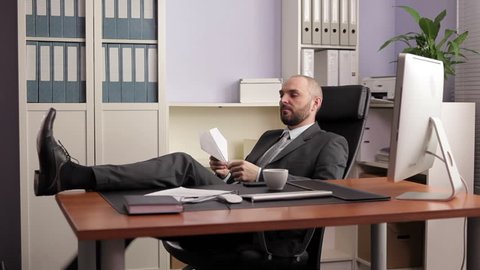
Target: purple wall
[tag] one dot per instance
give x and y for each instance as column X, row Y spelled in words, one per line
column 211, row 44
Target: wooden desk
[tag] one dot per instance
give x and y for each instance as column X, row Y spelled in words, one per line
column 92, row 218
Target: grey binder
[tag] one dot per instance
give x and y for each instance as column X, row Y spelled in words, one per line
column 326, row 22
column 149, row 23
column 69, row 19
column 123, row 18
column 316, row 21
column 45, row 70
column 58, row 83
column 114, row 84
column 56, row 18
column 106, row 76
column 128, row 86
column 335, row 22
column 80, row 15
column 344, row 21
column 30, row 14
column 110, row 12
column 152, row 73
column 306, row 22
column 42, row 19
column 352, row 25
column 135, row 25
column 140, row 73
column 72, row 86
column 32, row 71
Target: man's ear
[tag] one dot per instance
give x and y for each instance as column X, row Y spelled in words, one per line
column 317, row 102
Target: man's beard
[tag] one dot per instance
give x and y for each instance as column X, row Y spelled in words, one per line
column 296, row 117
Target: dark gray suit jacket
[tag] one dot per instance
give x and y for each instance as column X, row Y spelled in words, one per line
column 315, row 154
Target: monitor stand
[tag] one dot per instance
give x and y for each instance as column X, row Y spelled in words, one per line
column 450, row 165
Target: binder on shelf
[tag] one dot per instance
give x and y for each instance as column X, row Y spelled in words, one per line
column 110, row 12
column 316, row 22
column 352, row 24
column 114, row 84
column 308, row 62
column 326, row 22
column 347, row 67
column 344, row 21
column 69, row 20
column 105, row 77
column 152, row 74
column 72, row 86
column 83, row 74
column 42, row 19
column 122, row 19
column 135, row 19
column 31, row 72
column 306, row 22
column 149, row 31
column 30, row 12
column 140, row 73
column 58, row 83
column 45, row 64
column 334, row 22
column 80, row 32
column 326, row 67
column 128, row 86
column 56, row 18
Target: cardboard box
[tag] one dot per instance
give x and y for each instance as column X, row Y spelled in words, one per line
column 405, row 244
column 260, row 90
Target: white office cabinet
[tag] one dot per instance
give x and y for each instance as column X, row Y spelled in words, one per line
column 64, row 66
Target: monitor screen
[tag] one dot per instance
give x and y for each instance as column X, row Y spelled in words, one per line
column 418, row 98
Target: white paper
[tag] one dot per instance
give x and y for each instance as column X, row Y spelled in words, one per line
column 190, row 194
column 215, row 144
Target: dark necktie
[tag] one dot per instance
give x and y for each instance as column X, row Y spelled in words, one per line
column 274, row 150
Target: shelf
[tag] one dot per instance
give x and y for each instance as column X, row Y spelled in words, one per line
column 327, row 47
column 55, row 39
column 129, row 41
column 221, row 105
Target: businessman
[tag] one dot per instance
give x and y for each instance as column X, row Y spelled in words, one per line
column 302, row 147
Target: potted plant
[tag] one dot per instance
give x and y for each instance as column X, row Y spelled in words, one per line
column 448, row 49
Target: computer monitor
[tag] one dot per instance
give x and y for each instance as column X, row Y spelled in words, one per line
column 416, row 127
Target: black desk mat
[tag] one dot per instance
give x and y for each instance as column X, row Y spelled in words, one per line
column 341, row 194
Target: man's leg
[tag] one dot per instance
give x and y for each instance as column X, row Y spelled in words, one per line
column 57, row 171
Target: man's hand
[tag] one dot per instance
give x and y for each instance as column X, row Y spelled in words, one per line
column 243, row 171
column 219, row 167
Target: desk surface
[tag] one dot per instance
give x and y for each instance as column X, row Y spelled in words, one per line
column 92, row 218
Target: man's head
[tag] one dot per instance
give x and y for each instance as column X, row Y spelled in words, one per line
column 300, row 99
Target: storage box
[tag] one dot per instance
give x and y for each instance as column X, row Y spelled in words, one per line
column 260, row 90
column 405, row 244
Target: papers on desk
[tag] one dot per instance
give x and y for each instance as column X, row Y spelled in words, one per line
column 213, row 142
column 190, row 195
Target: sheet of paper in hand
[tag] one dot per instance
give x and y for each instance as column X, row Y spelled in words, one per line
column 213, row 142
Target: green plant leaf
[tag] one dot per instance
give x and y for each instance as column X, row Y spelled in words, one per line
column 461, row 38
column 415, row 15
column 403, row 38
column 440, row 16
column 429, row 28
column 448, row 33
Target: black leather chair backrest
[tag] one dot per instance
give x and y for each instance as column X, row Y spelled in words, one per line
column 344, row 110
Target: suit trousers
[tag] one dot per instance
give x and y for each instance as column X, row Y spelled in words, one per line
column 168, row 171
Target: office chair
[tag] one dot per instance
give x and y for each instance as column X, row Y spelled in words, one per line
column 343, row 112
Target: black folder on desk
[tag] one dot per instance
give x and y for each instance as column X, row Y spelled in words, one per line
column 341, row 194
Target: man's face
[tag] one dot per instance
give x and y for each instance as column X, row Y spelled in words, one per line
column 297, row 106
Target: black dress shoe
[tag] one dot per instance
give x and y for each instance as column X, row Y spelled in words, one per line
column 51, row 156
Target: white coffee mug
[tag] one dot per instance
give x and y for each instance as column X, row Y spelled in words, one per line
column 275, row 178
